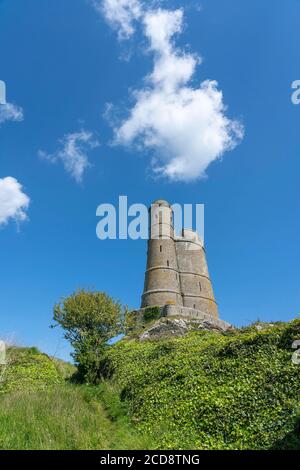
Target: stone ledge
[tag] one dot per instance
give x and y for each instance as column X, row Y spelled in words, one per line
column 186, row 313
column 190, row 313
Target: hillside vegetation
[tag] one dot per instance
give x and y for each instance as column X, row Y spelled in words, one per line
column 207, row 390
column 40, row 409
column 27, row 369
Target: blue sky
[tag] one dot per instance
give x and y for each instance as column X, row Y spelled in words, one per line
column 63, row 62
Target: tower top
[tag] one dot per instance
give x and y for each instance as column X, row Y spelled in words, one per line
column 161, row 202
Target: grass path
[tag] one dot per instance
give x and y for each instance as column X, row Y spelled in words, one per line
column 65, row 417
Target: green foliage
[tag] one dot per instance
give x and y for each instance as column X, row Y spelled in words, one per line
column 152, row 313
column 66, row 370
column 132, row 321
column 238, row 390
column 212, row 391
column 27, row 369
column 136, row 321
column 66, row 417
column 89, row 319
column 39, row 409
column 297, row 421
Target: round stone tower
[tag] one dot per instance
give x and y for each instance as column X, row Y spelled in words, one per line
column 196, row 288
column 162, row 280
column 177, row 273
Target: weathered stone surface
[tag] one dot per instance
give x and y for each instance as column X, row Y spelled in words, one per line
column 189, row 315
column 177, row 327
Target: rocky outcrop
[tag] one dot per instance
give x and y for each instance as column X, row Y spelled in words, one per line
column 178, row 327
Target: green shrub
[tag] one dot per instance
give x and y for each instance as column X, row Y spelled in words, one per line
column 27, row 369
column 89, row 319
column 297, row 421
column 133, row 320
column 212, row 391
column 137, row 320
column 152, row 313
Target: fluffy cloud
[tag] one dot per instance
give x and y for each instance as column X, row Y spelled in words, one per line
column 13, row 201
column 120, row 14
column 10, row 112
column 186, row 127
column 73, row 153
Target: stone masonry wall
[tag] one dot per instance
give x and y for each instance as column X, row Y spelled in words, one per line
column 177, row 271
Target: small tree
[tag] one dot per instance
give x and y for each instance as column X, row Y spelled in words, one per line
column 90, row 319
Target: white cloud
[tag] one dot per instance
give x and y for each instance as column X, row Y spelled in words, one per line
column 120, row 14
column 185, row 126
column 73, row 153
column 13, row 201
column 10, row 112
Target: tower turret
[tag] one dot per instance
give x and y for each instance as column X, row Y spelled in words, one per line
column 162, row 282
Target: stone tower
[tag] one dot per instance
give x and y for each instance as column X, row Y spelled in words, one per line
column 162, row 280
column 177, row 272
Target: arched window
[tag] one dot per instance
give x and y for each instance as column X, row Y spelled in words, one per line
column 160, row 248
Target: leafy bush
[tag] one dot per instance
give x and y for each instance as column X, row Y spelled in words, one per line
column 152, row 313
column 89, row 319
column 212, row 391
column 133, row 320
column 297, row 421
column 27, row 369
column 138, row 320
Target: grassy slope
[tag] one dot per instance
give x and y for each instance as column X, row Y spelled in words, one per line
column 39, row 410
column 211, row 391
column 205, row 391
column 27, row 369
